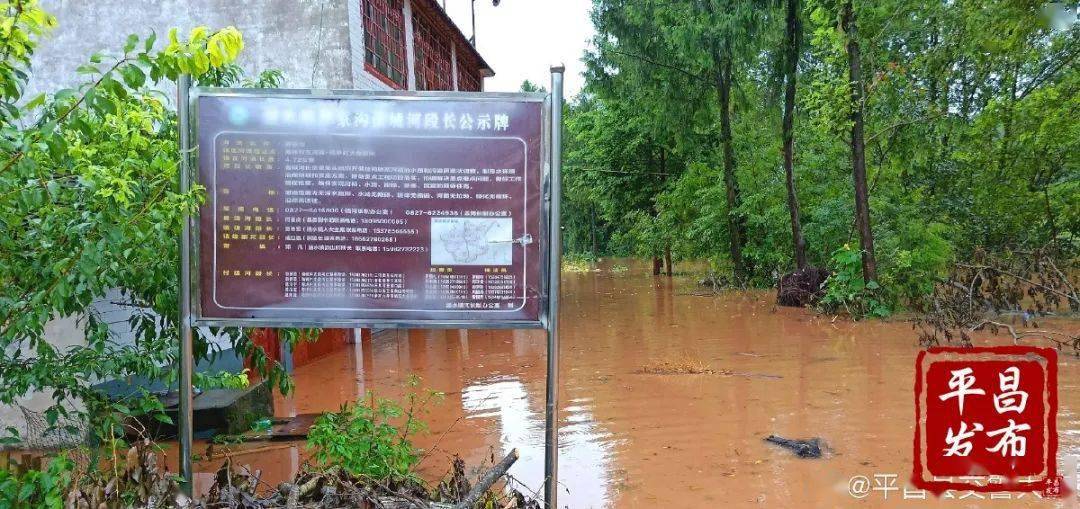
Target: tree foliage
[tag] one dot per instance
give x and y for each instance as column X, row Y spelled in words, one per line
column 89, row 204
column 970, row 132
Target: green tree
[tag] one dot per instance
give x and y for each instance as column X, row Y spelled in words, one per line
column 682, row 60
column 89, row 203
column 791, row 54
column 951, row 124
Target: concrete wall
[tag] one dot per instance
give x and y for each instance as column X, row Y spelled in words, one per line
column 308, row 40
column 315, row 43
column 64, row 333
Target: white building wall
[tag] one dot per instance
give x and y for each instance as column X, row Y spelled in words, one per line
column 453, row 66
column 308, row 40
column 410, row 45
column 315, row 43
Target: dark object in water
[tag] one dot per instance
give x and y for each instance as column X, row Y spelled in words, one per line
column 802, row 448
column 802, row 287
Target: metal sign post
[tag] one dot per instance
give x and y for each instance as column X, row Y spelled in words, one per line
column 387, row 209
column 551, row 413
column 186, row 360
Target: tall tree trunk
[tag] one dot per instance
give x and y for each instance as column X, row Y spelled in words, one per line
column 721, row 55
column 858, row 148
column 659, row 171
column 736, row 223
column 1050, row 217
column 791, row 63
column 1006, row 130
column 592, row 233
column 664, row 177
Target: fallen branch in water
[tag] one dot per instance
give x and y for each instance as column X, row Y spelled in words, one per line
column 1067, row 290
column 748, row 375
column 488, row 479
column 1048, row 335
column 978, row 292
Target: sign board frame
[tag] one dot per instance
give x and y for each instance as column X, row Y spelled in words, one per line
column 550, row 268
column 545, row 208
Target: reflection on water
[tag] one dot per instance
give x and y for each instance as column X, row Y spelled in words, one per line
column 634, row 440
column 585, row 451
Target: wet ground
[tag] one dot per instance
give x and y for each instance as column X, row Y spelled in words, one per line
column 646, row 440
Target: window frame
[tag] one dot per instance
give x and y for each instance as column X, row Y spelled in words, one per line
column 428, row 42
column 392, row 11
column 466, row 69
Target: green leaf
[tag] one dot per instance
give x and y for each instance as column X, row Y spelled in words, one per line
column 37, row 101
column 26, row 491
column 64, row 94
column 132, row 41
column 134, row 77
column 150, row 40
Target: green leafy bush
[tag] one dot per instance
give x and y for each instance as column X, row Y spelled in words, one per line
column 920, row 256
column 32, row 488
column 845, row 290
column 371, row 438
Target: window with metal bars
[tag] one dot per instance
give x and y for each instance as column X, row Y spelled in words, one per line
column 468, row 78
column 433, row 70
column 384, row 41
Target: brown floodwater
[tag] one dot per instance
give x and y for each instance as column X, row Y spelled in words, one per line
column 643, row 440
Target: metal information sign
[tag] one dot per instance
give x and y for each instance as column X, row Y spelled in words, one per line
column 364, row 208
column 383, row 209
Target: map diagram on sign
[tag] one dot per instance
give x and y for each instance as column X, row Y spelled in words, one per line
column 472, row 241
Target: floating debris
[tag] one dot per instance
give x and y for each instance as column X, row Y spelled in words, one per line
column 802, row 448
column 802, row 287
column 693, row 367
column 684, row 366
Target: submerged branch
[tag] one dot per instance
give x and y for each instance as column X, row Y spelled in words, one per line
column 1049, row 335
column 1071, row 295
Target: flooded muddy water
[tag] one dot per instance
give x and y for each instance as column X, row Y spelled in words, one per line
column 661, row 441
